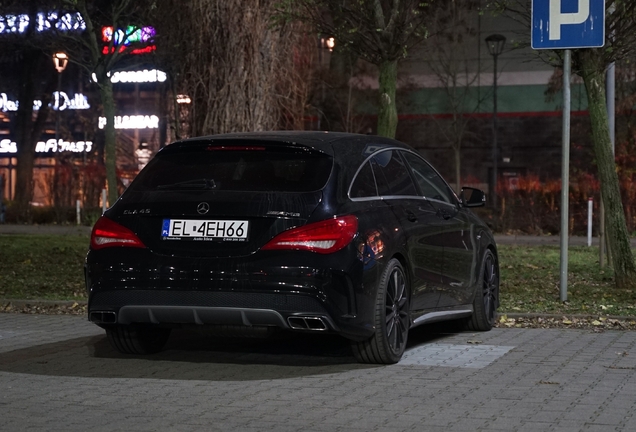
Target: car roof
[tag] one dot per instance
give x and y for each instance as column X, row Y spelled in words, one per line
column 328, row 142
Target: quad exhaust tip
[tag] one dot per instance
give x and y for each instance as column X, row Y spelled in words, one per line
column 311, row 323
column 103, row 317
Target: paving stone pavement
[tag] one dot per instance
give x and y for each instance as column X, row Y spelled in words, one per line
column 58, row 373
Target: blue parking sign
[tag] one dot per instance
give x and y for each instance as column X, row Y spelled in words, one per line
column 568, row 24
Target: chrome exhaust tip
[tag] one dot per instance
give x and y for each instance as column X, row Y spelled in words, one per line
column 311, row 323
column 103, row 317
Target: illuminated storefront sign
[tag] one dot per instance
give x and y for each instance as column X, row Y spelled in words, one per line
column 133, row 122
column 124, row 38
column 44, row 21
column 61, row 100
column 49, row 146
column 183, row 99
column 143, row 76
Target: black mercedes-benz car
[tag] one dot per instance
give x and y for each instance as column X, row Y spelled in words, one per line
column 303, row 231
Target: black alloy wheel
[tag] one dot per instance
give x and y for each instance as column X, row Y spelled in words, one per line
column 133, row 339
column 391, row 319
column 487, row 297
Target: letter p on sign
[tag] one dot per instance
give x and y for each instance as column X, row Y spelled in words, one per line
column 558, row 18
column 568, row 24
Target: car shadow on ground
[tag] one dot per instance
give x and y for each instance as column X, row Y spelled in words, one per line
column 193, row 355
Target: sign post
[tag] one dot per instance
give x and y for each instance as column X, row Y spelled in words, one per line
column 567, row 24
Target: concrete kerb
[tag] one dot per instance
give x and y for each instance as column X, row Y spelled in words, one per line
column 79, row 306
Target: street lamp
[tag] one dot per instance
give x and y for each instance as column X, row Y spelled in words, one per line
column 60, row 60
column 495, row 43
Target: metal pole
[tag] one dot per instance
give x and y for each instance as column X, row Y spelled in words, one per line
column 565, row 174
column 57, row 107
column 590, row 209
column 1, row 198
column 494, row 137
column 610, row 104
column 104, row 203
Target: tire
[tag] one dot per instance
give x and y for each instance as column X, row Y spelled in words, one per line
column 391, row 319
column 131, row 339
column 487, row 296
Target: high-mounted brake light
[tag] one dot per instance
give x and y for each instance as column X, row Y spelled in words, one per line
column 107, row 233
column 235, row 148
column 323, row 237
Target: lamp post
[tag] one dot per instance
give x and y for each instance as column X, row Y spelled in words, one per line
column 495, row 43
column 60, row 60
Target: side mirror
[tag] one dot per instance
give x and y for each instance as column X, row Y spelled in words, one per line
column 471, row 197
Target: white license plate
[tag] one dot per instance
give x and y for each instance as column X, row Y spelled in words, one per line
column 217, row 230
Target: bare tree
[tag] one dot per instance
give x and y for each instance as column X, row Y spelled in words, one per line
column 590, row 64
column 239, row 72
column 29, row 68
column 126, row 18
column 378, row 31
column 449, row 60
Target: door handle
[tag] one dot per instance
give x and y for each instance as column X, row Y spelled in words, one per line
column 411, row 216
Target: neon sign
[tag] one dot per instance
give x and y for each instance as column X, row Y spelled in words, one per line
column 124, row 38
column 183, row 99
column 132, row 122
column 43, row 22
column 49, row 146
column 144, row 76
column 61, row 100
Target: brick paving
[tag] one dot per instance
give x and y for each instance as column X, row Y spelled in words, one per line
column 58, row 373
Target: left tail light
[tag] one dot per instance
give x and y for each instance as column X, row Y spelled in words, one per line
column 107, row 233
column 323, row 237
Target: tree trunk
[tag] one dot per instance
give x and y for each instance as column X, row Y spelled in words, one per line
column 110, row 139
column 593, row 73
column 26, row 148
column 387, row 117
column 27, row 131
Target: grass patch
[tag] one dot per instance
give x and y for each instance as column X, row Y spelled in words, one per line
column 530, row 282
column 49, row 267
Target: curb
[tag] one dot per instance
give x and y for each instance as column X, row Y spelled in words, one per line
column 557, row 316
column 42, row 303
column 80, row 304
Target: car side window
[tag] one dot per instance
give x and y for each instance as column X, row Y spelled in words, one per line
column 392, row 175
column 430, row 183
column 364, row 183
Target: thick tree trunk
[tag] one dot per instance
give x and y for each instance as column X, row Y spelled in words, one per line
column 593, row 73
column 27, row 131
column 387, row 117
column 110, row 139
column 26, row 146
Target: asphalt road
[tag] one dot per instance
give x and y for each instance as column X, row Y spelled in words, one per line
column 58, row 373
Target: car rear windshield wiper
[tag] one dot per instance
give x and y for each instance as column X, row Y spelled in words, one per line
column 190, row 184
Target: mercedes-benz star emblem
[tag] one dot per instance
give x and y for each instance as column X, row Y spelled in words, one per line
column 203, row 208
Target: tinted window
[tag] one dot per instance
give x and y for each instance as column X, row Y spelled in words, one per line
column 430, row 183
column 239, row 169
column 364, row 183
column 391, row 174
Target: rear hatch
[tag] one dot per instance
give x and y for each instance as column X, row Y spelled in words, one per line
column 222, row 200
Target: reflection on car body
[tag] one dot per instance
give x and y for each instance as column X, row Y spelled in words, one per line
column 301, row 231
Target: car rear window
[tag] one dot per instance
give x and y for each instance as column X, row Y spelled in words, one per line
column 237, row 168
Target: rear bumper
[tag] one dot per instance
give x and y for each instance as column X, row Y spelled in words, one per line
column 210, row 308
column 175, row 291
column 144, row 314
